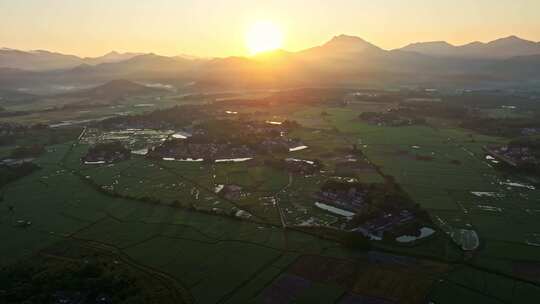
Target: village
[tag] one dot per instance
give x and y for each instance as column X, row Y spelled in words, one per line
column 106, row 153
column 369, row 215
column 226, row 140
column 520, row 154
column 391, row 118
column 357, row 207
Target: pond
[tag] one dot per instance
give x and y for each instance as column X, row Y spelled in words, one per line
column 424, row 232
column 233, row 160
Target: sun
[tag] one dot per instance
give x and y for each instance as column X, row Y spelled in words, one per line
column 264, row 36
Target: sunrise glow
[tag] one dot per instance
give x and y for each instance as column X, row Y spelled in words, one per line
column 263, row 36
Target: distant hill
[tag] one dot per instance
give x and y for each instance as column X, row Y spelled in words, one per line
column 498, row 49
column 37, row 60
column 40, row 60
column 110, row 58
column 139, row 68
column 145, row 62
column 115, row 90
column 9, row 97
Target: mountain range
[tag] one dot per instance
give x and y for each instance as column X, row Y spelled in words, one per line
column 342, row 61
column 41, row 60
column 498, row 49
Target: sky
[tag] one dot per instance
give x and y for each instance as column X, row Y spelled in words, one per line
column 210, row 28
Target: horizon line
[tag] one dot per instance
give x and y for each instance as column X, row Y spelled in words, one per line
column 139, row 53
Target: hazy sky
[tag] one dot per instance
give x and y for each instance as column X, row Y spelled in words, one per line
column 217, row 27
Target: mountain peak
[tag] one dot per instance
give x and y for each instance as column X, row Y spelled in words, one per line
column 433, row 43
column 473, row 44
column 510, row 40
column 346, row 39
column 434, row 48
column 110, row 57
column 41, row 52
column 512, row 37
column 349, row 44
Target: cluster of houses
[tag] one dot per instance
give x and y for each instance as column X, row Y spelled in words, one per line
column 8, row 128
column 272, row 128
column 375, row 228
column 14, row 162
column 530, row 131
column 302, row 166
column 350, row 199
column 22, row 155
column 272, row 135
column 106, row 153
column 134, row 122
column 184, row 150
column 9, row 131
column 214, row 141
column 514, row 155
column 343, row 195
column 164, row 119
column 389, row 119
column 279, row 145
